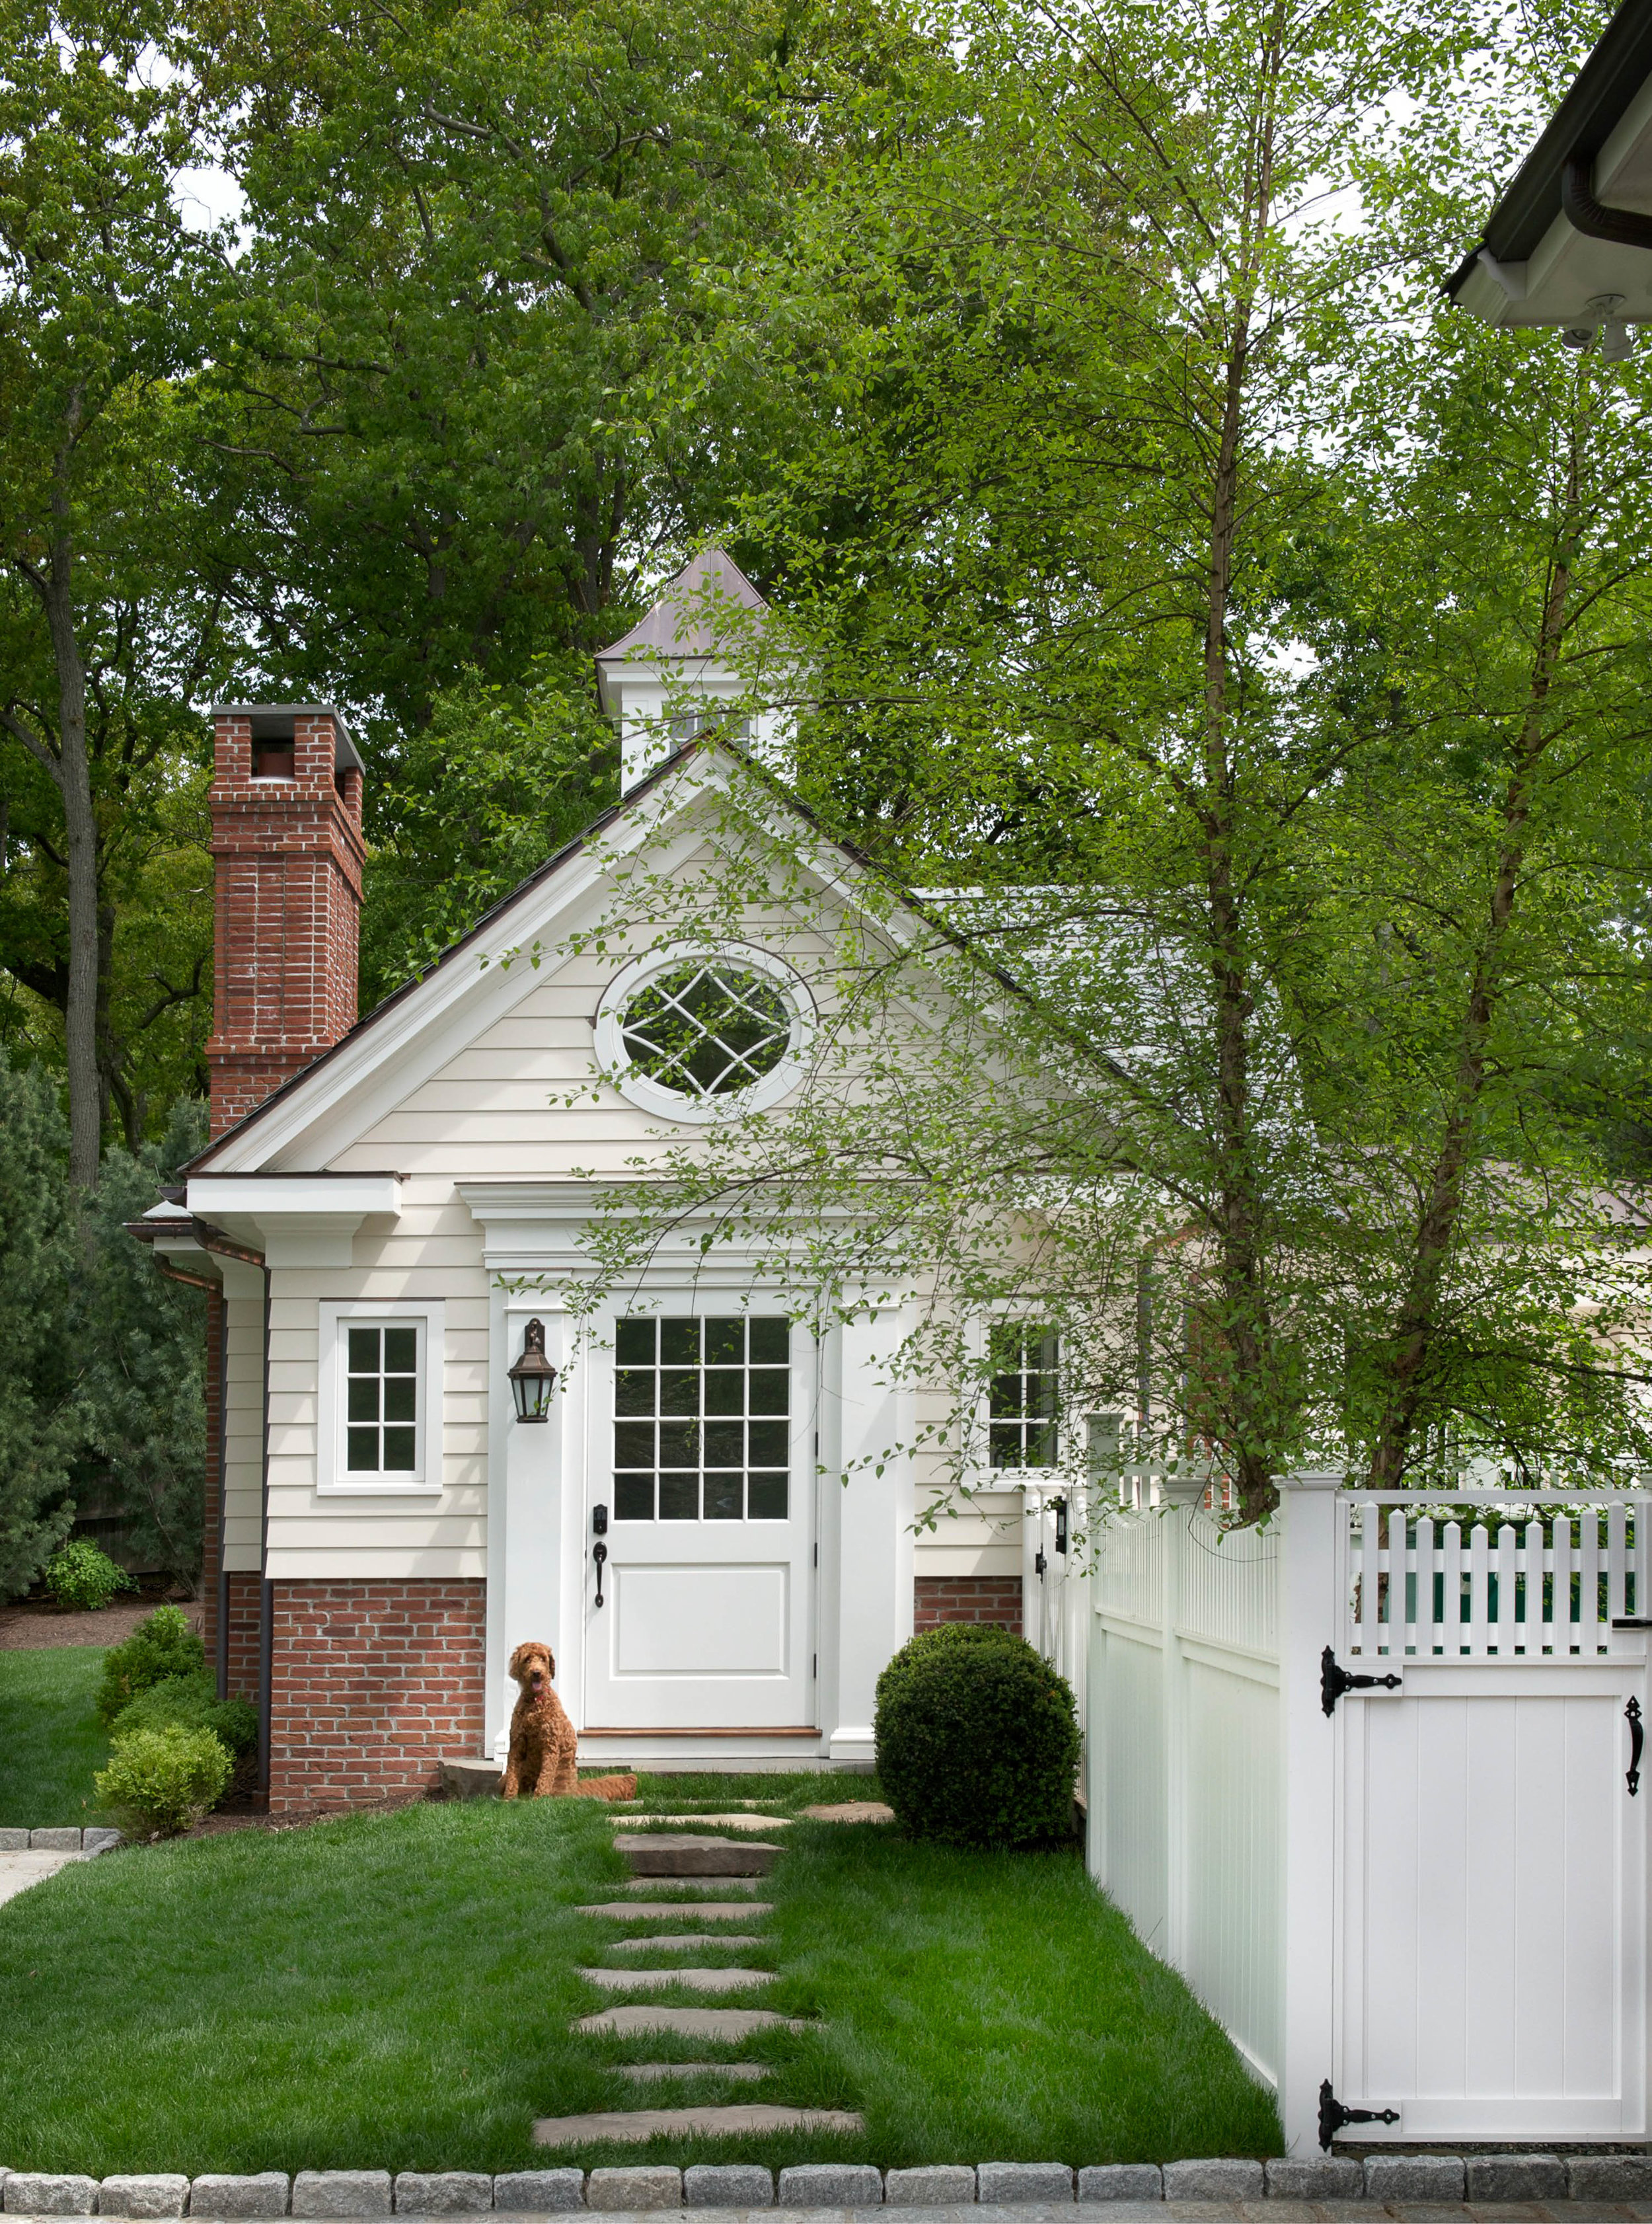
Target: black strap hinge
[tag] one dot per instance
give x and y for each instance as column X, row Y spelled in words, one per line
column 1334, row 1681
column 1333, row 2115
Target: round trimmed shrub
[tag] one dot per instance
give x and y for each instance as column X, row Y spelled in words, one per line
column 82, row 1578
column 192, row 1701
column 163, row 1645
column 977, row 1739
column 160, row 1782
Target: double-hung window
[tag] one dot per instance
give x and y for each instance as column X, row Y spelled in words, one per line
column 1022, row 1397
column 381, row 1401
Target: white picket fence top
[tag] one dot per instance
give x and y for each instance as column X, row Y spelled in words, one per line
column 1514, row 1579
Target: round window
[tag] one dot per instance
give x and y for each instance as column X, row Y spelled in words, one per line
column 702, row 1034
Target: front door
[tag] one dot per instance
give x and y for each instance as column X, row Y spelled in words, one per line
column 701, row 1487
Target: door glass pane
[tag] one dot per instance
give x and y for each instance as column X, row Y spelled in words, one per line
column 733, row 1466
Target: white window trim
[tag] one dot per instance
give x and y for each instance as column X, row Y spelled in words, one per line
column 647, row 1095
column 332, row 1479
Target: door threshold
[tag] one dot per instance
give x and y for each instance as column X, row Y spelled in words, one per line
column 596, row 1729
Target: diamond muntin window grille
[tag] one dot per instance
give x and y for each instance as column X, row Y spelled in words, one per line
column 706, row 1029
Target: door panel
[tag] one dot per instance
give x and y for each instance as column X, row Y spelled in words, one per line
column 702, row 1453
column 1492, row 1902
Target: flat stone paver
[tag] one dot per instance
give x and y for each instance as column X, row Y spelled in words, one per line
column 701, row 1911
column 650, row 2073
column 19, row 1871
column 852, row 1810
column 752, row 1823
column 730, row 2024
column 678, row 1941
column 682, row 1853
column 691, row 1981
column 740, row 2117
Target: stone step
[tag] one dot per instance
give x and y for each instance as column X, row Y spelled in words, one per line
column 724, row 1883
column 639, row 2124
column 851, row 1811
column 751, row 1823
column 730, row 2024
column 651, row 2073
column 686, row 1910
column 682, row 1853
column 678, row 1941
column 691, row 1981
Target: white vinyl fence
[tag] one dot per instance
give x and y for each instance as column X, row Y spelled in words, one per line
column 1368, row 1778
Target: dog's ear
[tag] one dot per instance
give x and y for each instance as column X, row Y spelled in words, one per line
column 550, row 1661
column 517, row 1660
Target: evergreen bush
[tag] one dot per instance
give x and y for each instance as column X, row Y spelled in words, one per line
column 977, row 1739
column 163, row 1645
column 192, row 1701
column 81, row 1575
column 159, row 1782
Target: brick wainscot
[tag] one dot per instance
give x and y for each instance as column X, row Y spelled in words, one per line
column 371, row 1683
column 995, row 1599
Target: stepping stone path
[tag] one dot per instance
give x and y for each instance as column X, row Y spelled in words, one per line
column 657, row 1847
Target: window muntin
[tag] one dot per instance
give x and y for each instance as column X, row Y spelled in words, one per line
column 706, row 1028
column 1021, row 1399
column 701, row 1429
column 381, row 1375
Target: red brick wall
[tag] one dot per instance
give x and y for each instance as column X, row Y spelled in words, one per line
column 968, row 1598
column 372, row 1682
column 288, row 862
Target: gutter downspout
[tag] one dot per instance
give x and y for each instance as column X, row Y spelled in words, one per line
column 1624, row 227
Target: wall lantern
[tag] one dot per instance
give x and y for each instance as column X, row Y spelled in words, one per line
column 532, row 1378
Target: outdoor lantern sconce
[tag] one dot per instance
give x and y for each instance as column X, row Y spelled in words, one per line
column 532, row 1378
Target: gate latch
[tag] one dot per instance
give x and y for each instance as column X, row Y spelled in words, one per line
column 1333, row 2115
column 1334, row 1681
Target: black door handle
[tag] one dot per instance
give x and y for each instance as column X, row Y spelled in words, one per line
column 1636, row 1740
column 599, row 1553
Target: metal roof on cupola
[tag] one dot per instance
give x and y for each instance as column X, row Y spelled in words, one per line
column 697, row 662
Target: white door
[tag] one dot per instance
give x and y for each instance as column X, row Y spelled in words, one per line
column 701, row 1488
column 1492, row 1902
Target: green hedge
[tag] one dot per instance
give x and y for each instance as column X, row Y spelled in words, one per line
column 977, row 1739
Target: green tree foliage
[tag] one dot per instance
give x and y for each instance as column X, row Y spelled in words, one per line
column 37, row 1260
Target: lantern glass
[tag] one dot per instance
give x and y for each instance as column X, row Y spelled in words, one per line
column 532, row 1378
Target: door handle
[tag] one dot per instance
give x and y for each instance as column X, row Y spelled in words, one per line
column 1636, row 1740
column 599, row 1553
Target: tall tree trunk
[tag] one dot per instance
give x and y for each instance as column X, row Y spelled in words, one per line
column 1435, row 1237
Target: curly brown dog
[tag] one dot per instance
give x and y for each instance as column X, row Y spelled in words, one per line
column 543, row 1746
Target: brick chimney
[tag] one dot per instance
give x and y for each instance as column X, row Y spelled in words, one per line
column 287, row 848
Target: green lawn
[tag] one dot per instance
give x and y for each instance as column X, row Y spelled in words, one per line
column 51, row 1742
column 396, row 1991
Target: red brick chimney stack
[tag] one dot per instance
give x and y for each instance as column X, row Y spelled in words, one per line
column 286, row 843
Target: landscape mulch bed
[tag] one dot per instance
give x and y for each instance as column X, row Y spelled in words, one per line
column 30, row 1624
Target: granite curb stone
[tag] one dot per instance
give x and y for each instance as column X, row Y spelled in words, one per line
column 1129, row 2180
column 58, row 1839
column 341, row 2193
column 1225, row 2178
column 48, row 2193
column 831, row 2185
column 442, row 2192
column 640, row 2186
column 1314, row 2177
column 538, row 2192
column 144, row 2193
column 1415, row 2178
column 930, row 2185
column 1610, row 2177
column 264, row 2193
column 728, row 2185
column 13, row 1841
column 1003, row 2182
column 1516, row 2177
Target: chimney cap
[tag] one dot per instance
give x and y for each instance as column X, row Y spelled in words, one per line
column 284, row 713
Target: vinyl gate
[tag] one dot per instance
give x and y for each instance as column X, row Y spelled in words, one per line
column 1423, row 1903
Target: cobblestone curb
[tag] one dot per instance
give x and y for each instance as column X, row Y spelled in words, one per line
column 1442, row 2180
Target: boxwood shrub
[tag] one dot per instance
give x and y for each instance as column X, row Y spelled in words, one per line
column 160, row 1782
column 192, row 1701
column 977, row 1739
column 80, row 1576
column 163, row 1645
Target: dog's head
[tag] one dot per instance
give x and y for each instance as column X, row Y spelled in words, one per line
column 532, row 1667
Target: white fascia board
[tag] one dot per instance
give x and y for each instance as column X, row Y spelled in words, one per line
column 269, row 1198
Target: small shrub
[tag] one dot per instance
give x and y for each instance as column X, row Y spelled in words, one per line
column 81, row 1578
column 163, row 1645
column 977, row 1739
column 160, row 1782
column 192, row 1701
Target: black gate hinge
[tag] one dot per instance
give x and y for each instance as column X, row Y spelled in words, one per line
column 1334, row 1681
column 1333, row 2115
